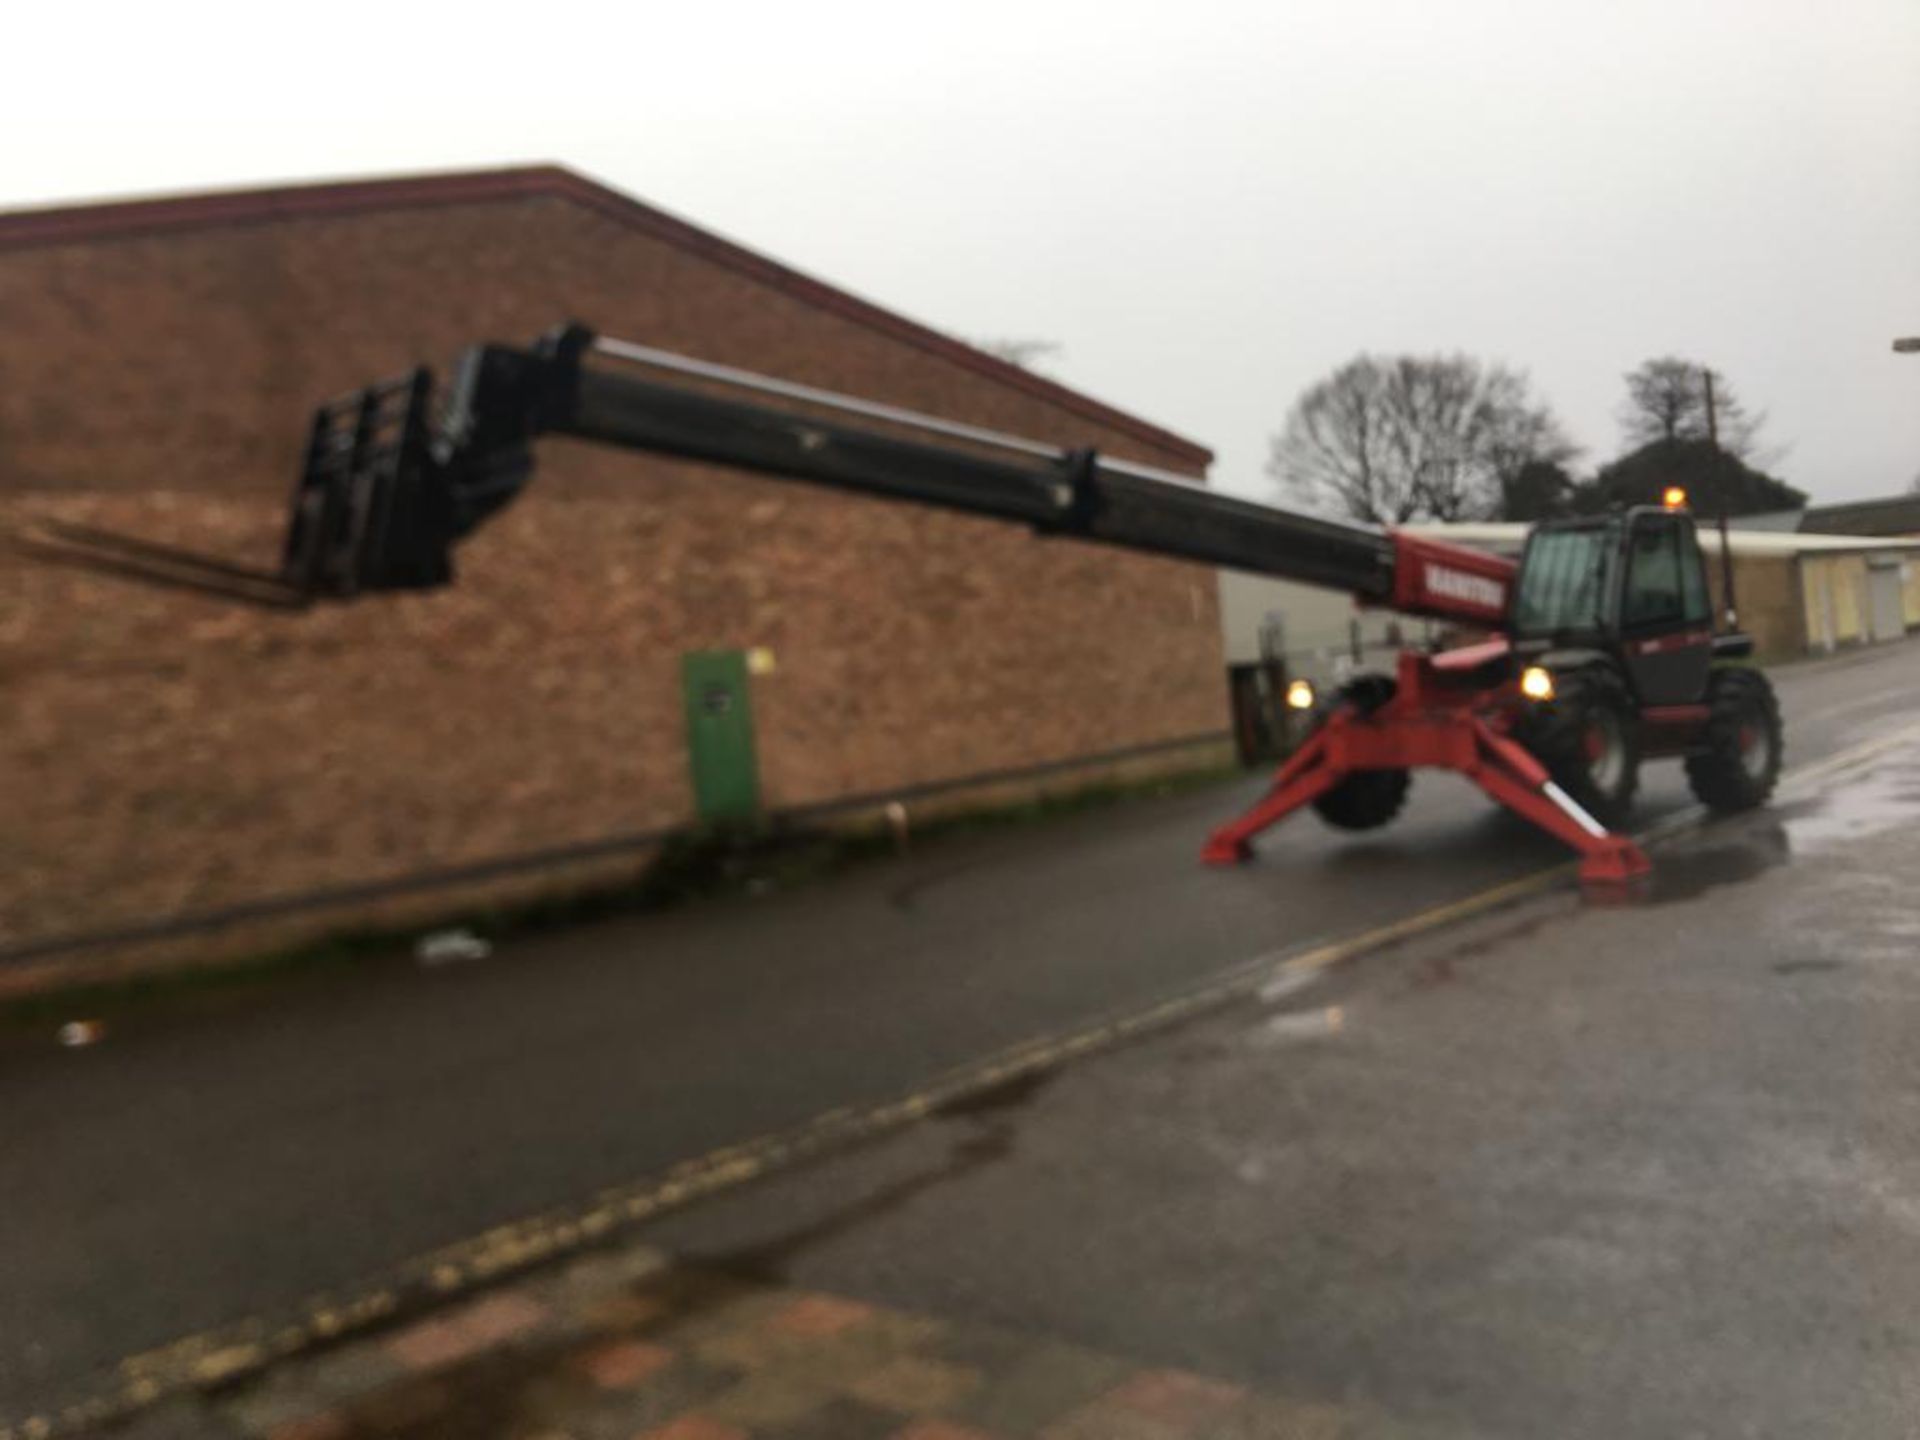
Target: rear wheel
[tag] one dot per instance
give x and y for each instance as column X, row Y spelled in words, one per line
column 1365, row 799
column 1739, row 760
column 1587, row 738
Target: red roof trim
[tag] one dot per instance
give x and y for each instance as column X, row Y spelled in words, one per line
column 83, row 224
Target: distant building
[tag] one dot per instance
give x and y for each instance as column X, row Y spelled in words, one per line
column 1893, row 515
column 1890, row 516
column 1776, row 520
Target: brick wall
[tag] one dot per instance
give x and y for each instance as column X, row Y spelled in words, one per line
column 167, row 752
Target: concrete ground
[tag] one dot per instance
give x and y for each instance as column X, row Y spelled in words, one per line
column 1561, row 1170
column 1649, row 1171
column 212, row 1161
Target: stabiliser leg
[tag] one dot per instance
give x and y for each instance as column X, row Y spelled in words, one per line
column 1518, row 781
column 1308, row 774
column 1456, row 740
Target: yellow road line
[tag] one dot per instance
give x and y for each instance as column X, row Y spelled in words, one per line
column 1853, row 755
column 221, row 1357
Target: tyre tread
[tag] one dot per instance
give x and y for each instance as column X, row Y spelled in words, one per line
column 1718, row 778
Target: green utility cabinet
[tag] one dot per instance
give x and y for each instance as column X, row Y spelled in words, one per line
column 720, row 754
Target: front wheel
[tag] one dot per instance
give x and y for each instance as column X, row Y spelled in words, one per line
column 1588, row 740
column 1738, row 762
column 1365, row 799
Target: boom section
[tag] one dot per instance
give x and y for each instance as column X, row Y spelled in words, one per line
column 1069, row 492
column 373, row 514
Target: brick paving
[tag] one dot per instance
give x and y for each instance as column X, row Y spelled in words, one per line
column 625, row 1346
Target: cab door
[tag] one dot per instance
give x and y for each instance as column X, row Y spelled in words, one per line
column 1666, row 618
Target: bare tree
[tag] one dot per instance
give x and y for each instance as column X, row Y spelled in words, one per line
column 1667, row 402
column 1392, row 439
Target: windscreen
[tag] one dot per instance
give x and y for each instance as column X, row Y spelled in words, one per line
column 1564, row 582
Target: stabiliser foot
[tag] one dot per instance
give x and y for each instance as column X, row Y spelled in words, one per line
column 1619, row 874
column 1615, row 861
column 1225, row 850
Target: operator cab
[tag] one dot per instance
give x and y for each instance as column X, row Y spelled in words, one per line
column 1632, row 584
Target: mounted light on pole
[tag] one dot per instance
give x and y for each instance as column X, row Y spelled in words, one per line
column 1720, row 489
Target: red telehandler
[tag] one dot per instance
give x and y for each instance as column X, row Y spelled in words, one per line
column 1604, row 650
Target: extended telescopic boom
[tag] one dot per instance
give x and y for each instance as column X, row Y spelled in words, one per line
column 387, row 490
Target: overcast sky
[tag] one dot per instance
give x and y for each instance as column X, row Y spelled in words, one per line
column 1208, row 205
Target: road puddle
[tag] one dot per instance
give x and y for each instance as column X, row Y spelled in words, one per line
column 1885, row 798
column 1874, row 802
column 1009, row 1094
column 770, row 1260
column 1302, row 1025
column 1679, row 875
column 1806, row 967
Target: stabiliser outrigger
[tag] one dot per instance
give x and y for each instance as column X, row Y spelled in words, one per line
column 1603, row 648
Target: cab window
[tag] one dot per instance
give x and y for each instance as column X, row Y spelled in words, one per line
column 1655, row 590
column 1695, row 603
column 1565, row 580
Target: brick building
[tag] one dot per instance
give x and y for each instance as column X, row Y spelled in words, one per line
column 172, row 756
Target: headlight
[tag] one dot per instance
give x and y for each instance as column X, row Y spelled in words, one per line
column 1536, row 682
column 1300, row 695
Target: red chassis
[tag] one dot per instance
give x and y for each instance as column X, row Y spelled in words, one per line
column 1440, row 717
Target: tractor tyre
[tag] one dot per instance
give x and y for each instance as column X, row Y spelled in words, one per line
column 1739, row 759
column 1365, row 799
column 1588, row 738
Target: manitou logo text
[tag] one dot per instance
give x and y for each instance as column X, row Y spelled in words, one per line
column 1469, row 589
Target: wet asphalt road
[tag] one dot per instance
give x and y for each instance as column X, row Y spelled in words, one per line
column 1627, row 1174
column 215, row 1160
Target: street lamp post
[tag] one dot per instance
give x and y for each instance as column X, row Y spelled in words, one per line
column 1720, row 493
column 1907, row 345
